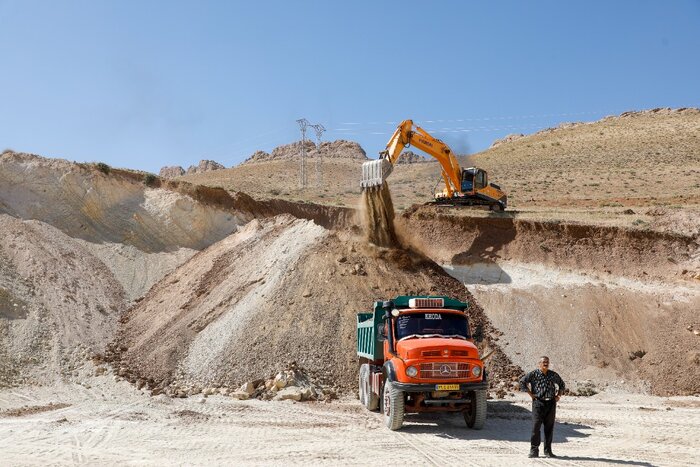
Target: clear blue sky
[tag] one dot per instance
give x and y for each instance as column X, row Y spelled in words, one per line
column 143, row 84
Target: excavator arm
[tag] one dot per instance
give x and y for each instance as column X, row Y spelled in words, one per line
column 477, row 190
column 375, row 172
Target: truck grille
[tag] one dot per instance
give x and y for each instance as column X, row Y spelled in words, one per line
column 444, row 370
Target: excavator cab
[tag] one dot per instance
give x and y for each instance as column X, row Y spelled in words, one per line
column 473, row 179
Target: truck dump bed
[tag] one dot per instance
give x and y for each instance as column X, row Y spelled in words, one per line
column 368, row 344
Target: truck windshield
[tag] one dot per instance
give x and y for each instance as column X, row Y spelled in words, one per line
column 431, row 325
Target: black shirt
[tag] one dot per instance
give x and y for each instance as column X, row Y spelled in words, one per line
column 543, row 384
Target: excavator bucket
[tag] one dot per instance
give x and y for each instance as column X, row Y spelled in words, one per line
column 375, row 172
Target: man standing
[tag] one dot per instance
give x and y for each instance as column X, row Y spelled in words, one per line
column 540, row 385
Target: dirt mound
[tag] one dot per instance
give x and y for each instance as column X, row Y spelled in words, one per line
column 58, row 303
column 278, row 290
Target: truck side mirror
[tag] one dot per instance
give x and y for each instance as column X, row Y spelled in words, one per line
column 381, row 332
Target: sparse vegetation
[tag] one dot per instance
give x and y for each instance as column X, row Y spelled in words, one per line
column 104, row 168
column 149, row 179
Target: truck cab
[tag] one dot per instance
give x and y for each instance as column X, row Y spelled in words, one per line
column 417, row 355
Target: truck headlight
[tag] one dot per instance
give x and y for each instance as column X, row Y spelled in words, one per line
column 476, row 370
column 412, row 371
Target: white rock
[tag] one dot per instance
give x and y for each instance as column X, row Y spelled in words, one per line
column 289, row 393
column 280, row 380
column 240, row 395
column 306, row 394
column 247, row 388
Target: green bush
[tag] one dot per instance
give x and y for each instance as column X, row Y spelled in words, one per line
column 149, row 179
column 104, row 168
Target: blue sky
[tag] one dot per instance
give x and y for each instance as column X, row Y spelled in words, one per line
column 143, row 84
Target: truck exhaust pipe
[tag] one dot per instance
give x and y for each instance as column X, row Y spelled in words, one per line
column 375, row 172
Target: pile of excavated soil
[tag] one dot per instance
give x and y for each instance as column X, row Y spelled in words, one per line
column 280, row 289
column 58, row 303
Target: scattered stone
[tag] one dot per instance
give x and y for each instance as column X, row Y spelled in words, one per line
column 248, row 388
column 280, row 380
column 292, row 392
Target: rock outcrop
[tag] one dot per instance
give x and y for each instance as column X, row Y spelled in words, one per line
column 339, row 149
column 410, row 157
column 171, row 171
column 204, row 166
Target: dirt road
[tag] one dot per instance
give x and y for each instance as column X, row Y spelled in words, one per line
column 112, row 423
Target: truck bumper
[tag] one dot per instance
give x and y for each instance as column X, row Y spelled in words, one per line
column 463, row 387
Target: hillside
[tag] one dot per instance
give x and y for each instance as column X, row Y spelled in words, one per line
column 591, row 172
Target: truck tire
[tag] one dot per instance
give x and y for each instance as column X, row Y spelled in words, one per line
column 367, row 397
column 392, row 406
column 475, row 415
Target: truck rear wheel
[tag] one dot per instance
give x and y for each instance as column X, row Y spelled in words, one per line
column 392, row 406
column 367, row 398
column 475, row 415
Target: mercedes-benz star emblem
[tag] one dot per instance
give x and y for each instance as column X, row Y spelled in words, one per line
column 445, row 370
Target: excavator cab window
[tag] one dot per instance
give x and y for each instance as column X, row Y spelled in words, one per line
column 467, row 181
column 480, row 180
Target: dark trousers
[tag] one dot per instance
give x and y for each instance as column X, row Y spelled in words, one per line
column 543, row 413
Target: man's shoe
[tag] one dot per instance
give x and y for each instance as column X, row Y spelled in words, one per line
column 549, row 454
column 534, row 453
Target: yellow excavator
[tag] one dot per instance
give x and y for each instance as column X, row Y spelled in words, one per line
column 463, row 187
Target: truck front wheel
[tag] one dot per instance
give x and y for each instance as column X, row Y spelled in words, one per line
column 392, row 406
column 475, row 415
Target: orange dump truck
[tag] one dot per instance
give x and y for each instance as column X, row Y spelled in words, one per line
column 417, row 355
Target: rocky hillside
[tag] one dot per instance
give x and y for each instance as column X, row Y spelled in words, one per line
column 639, row 169
column 203, row 166
column 339, row 149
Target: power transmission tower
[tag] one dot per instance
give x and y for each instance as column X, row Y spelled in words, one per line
column 303, row 123
column 319, row 129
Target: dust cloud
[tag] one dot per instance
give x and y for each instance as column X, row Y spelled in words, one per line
column 378, row 216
